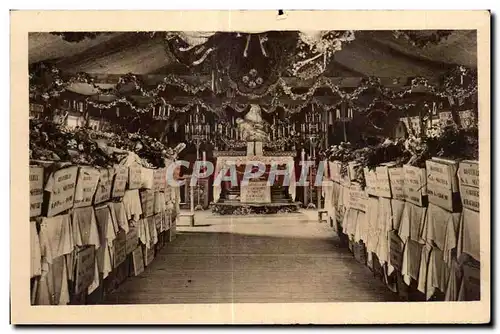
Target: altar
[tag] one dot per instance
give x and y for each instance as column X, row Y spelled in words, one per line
column 255, row 180
column 257, row 190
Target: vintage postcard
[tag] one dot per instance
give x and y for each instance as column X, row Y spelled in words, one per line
column 250, row 167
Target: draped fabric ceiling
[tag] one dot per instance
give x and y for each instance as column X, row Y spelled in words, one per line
column 371, row 53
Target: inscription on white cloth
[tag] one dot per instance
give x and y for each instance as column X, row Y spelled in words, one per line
column 255, row 192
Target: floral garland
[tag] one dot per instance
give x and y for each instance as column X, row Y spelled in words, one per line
column 243, row 210
column 60, row 85
column 168, row 80
column 453, row 88
column 124, row 101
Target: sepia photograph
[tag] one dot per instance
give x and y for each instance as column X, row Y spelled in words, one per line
column 229, row 165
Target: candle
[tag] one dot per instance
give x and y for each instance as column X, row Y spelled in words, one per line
column 302, row 155
column 186, row 129
column 204, row 156
column 175, row 126
column 213, row 81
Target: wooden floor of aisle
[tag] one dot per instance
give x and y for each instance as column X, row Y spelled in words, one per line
column 253, row 259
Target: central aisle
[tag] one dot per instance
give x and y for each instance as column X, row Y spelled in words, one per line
column 253, row 259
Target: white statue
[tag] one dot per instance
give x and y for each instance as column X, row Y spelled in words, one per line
column 252, row 131
column 252, row 126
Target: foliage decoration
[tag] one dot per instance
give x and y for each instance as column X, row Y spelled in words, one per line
column 422, row 38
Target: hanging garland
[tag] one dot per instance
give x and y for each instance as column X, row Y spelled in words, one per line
column 169, row 80
column 453, row 85
column 460, row 83
column 59, row 85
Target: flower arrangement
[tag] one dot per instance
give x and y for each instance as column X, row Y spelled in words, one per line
column 388, row 151
column 448, row 141
column 344, row 152
column 55, row 142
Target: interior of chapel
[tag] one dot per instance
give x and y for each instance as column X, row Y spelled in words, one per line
column 361, row 105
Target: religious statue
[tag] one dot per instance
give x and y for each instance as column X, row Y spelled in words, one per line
column 252, row 131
